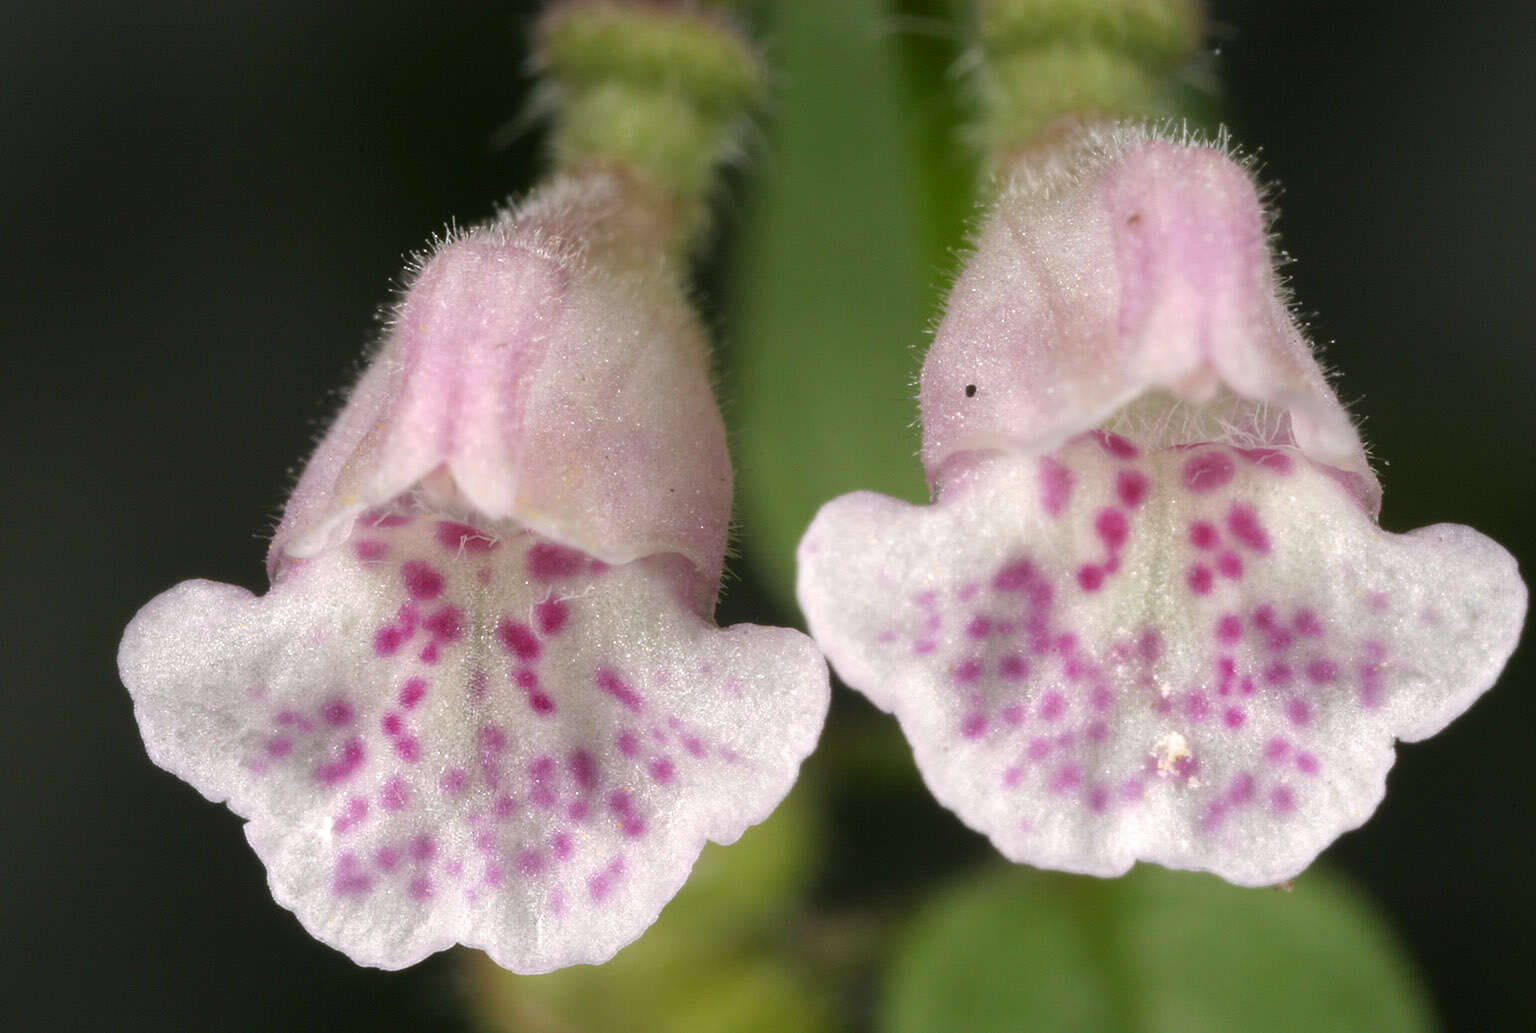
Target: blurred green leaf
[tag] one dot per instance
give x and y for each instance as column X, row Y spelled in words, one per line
column 1154, row 952
column 828, row 298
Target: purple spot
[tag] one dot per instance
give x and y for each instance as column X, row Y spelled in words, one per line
column 277, row 746
column 1014, row 577
column 1321, row 672
column 454, row 781
column 974, row 726
column 1013, row 714
column 1055, row 486
column 387, row 858
column 420, row 888
column 1186, row 767
column 492, row 739
column 1199, row 579
column 1013, row 667
column 627, row 743
column 518, row 639
column 1098, row 799
column 1196, row 706
column 1208, row 470
column 422, row 848
column 550, row 562
column 1370, row 685
column 1111, row 527
column 1270, row 459
column 1067, row 777
column 408, row 748
column 551, row 615
column 1277, row 750
column 1114, row 444
column 968, row 671
column 461, row 537
column 1307, row 625
column 504, row 807
column 560, row 845
column 1243, row 522
column 1149, row 646
column 1230, row 565
column 412, row 692
column 1299, row 712
column 1052, row 706
column 1229, row 630
column 1098, row 731
column 1282, row 799
column 337, row 713
column 389, row 639
column 421, row 580
column 1234, row 718
column 356, row 811
column 446, row 624
column 344, row 767
column 370, row 550
column 1090, row 577
column 616, row 687
column 530, row 862
column 1202, row 535
column 583, row 769
column 662, row 770
column 980, row 627
column 1307, row 764
column 395, row 796
column 1131, row 488
column 1039, row 747
column 349, row 880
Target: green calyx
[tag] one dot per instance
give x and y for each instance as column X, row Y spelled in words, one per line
column 1046, row 59
column 657, row 90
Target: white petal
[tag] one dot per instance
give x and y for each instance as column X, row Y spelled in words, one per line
column 1199, row 657
column 438, row 736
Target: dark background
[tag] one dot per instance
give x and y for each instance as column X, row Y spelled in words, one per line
column 201, row 207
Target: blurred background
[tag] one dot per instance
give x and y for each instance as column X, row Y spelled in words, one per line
column 203, row 207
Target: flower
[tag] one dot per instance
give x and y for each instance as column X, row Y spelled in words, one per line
column 483, row 701
column 1149, row 615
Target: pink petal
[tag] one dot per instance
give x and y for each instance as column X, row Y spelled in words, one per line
column 468, row 736
column 543, row 369
column 1235, row 723
column 1128, row 265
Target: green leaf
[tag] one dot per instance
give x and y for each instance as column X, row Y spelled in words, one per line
column 829, row 294
column 1155, row 952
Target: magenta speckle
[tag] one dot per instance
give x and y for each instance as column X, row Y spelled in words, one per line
column 518, row 639
column 1242, row 790
column 1233, row 718
column 1278, row 673
column 1052, row 706
column 1208, row 470
column 1282, row 799
column 420, row 888
column 1307, row 764
column 344, row 767
column 551, row 616
column 1230, row 565
column 389, row 639
column 530, row 862
column 447, row 624
column 408, row 748
column 504, row 807
column 1111, row 527
column 1013, row 667
column 583, row 769
column 1098, row 731
column 1229, row 630
column 1202, row 535
column 387, row 858
column 979, row 627
column 1098, row 799
column 1090, row 577
column 463, row 538
column 1370, row 686
column 370, row 550
column 338, row 713
column 1307, row 624
column 627, row 743
column 1243, row 522
column 1013, row 714
column 549, row 562
column 1131, row 488
column 1039, row 748
column 662, row 771
column 1277, row 750
column 968, row 671
column 1055, row 486
column 1199, row 579
column 349, row 880
column 422, row 848
column 540, row 703
column 392, row 724
column 1299, row 712
column 454, row 781
column 1196, row 706
column 974, row 726
column 412, row 692
column 421, row 580
column 1067, row 777
column 1269, row 459
column 277, row 746
column 611, row 683
column 395, row 796
column 1014, row 577
column 1321, row 672
column 1114, row 444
